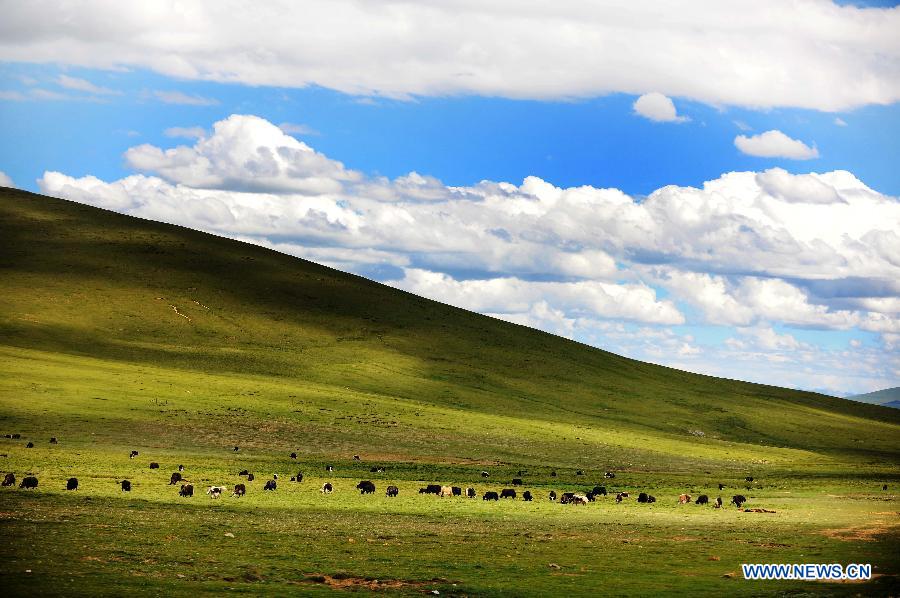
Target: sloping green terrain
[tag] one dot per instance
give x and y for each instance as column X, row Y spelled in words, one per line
column 118, row 333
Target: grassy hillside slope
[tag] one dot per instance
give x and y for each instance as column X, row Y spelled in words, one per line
column 99, row 291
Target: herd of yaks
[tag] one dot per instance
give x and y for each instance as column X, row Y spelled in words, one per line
column 368, row 487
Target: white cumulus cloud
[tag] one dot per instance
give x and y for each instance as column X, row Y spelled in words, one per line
column 758, row 54
column 657, row 107
column 5, row 181
column 775, row 144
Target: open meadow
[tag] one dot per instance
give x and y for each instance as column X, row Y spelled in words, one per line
column 118, row 334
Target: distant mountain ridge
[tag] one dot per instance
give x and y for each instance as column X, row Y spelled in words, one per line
column 888, row 397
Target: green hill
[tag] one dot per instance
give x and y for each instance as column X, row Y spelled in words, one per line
column 119, row 334
column 354, row 361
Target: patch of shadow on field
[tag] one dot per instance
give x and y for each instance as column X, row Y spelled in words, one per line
column 343, row 581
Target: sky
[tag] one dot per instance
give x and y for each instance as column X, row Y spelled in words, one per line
column 714, row 188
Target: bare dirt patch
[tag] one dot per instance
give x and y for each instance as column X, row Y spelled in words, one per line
column 348, row 582
column 862, row 533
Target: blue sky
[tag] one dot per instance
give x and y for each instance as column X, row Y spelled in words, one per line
column 775, row 275
column 460, row 140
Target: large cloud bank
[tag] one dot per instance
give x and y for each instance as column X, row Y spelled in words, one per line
column 747, row 251
column 809, row 54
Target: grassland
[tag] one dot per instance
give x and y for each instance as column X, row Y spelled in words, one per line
column 120, row 334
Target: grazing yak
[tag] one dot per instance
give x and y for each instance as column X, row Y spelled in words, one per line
column 570, row 498
column 376, row 470
column 298, row 477
column 239, row 491
column 9, row 479
column 250, row 477
column 609, row 475
column 181, row 468
column 599, row 491
column 216, row 491
column 430, row 489
column 327, row 488
column 237, row 448
column 29, row 482
column 293, row 455
column 187, row 490
column 749, row 478
column 552, row 474
column 72, row 484
column 133, row 455
column 526, row 495
column 619, row 497
column 507, row 493
column 329, row 468
column 721, row 486
column 54, row 440
column 16, row 436
column 470, row 492
column 552, row 495
column 29, row 445
column 651, row 499
column 684, row 499
column 643, row 497
column 485, row 474
column 176, row 477
column 271, row 485
column 738, row 500
column 446, row 491
column 457, row 491
column 719, row 503
column 126, row 485
column 702, row 500
column 884, row 487
column 589, row 496
column 579, row 472
column 366, row 487
column 244, row 472
column 517, row 482
column 490, row 496
column 356, row 457
column 392, row 491
column 154, row 465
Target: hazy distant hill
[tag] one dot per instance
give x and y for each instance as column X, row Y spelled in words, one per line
column 888, row 397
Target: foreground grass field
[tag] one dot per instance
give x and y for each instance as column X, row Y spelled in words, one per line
column 118, row 334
